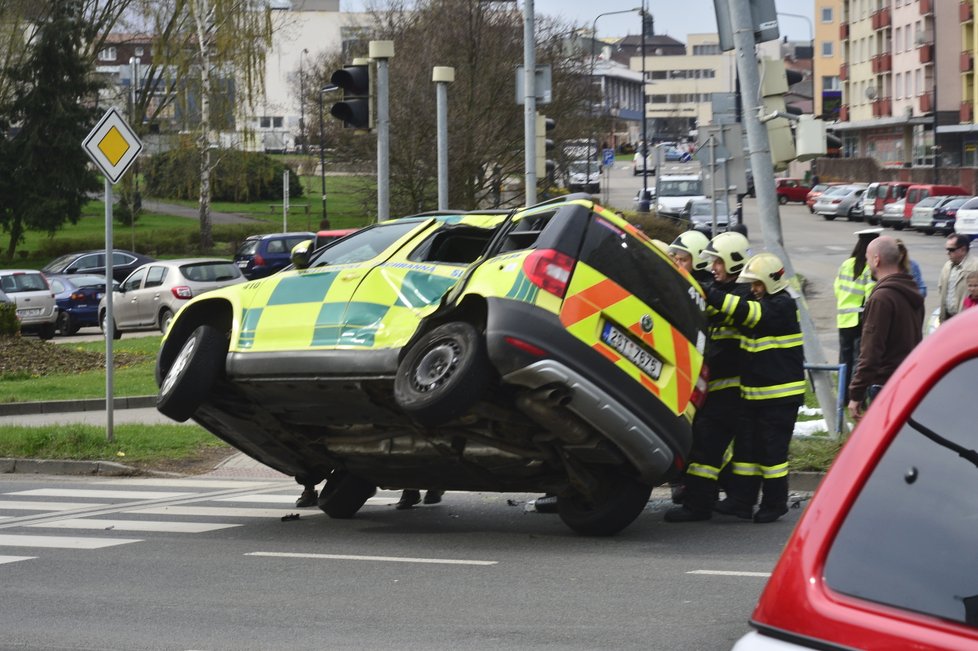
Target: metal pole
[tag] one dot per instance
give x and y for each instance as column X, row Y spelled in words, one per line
column 767, row 203
column 643, row 204
column 285, row 201
column 133, row 83
column 713, row 186
column 302, row 103
column 529, row 104
column 442, row 76
column 322, row 151
column 109, row 324
column 381, row 51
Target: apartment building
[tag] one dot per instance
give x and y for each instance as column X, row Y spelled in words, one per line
column 898, row 82
column 962, row 138
column 827, row 59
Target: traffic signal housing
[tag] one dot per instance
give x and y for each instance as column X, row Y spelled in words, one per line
column 545, row 166
column 354, row 109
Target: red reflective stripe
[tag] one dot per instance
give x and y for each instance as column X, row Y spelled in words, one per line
column 591, row 300
column 607, row 352
column 684, row 381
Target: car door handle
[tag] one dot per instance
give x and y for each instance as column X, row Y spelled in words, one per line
column 350, row 276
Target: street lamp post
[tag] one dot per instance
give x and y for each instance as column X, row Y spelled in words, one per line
column 302, row 103
column 594, row 57
column 322, row 151
column 644, row 204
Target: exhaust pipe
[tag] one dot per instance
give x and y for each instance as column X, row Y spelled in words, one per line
column 545, row 406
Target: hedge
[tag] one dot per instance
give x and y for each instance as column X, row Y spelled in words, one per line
column 239, row 176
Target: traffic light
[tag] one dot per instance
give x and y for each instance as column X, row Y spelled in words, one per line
column 354, row 109
column 774, row 86
column 545, row 166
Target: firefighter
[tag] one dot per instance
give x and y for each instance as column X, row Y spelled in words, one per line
column 715, row 423
column 685, row 251
column 772, row 386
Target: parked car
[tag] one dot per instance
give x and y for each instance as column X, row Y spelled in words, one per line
column 942, row 221
column 584, row 176
column 262, row 255
column 886, row 194
column 892, row 214
column 869, row 200
column 36, row 308
column 699, row 213
column 791, row 190
column 639, row 162
column 326, row 236
column 923, row 213
column 815, row 193
column 919, row 192
column 77, row 297
column 884, row 555
column 555, row 348
column 646, row 194
column 93, row 262
column 153, row 293
column 966, row 220
column 674, row 191
column 841, row 201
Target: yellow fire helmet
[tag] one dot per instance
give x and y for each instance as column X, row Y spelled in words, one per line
column 692, row 242
column 732, row 248
column 768, row 269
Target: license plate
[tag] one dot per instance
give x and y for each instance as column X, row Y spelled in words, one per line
column 631, row 351
column 35, row 311
column 242, row 263
column 940, row 224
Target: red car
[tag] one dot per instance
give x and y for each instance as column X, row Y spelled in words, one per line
column 791, row 190
column 885, row 555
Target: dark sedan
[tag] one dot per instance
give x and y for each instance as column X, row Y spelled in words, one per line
column 93, row 262
column 77, row 297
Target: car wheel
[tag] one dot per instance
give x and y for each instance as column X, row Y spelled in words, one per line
column 165, row 317
column 443, row 374
column 345, row 496
column 851, row 215
column 47, row 331
column 782, row 199
column 116, row 333
column 898, row 226
column 828, row 217
column 619, row 501
column 66, row 326
column 193, row 373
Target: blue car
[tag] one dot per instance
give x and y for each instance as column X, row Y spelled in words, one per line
column 262, row 255
column 77, row 297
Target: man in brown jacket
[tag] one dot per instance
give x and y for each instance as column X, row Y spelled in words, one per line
column 893, row 322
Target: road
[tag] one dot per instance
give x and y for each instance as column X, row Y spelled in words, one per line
column 210, row 564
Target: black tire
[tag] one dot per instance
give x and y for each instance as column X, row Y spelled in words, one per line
column 443, row 374
column 898, row 226
column 782, row 199
column 828, row 218
column 193, row 373
column 873, row 221
column 66, row 325
column 47, row 331
column 620, row 501
column 116, row 333
column 346, row 495
column 166, row 315
column 851, row 216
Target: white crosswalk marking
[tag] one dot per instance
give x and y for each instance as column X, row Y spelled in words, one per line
column 134, row 525
column 290, row 499
column 104, row 494
column 14, row 559
column 62, row 542
column 225, row 511
column 183, row 483
column 25, row 505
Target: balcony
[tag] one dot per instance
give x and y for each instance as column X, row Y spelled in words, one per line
column 882, row 62
column 881, row 18
column 966, row 11
column 882, row 108
column 844, row 72
column 926, row 52
column 967, row 112
column 843, row 31
column 967, row 61
column 844, row 113
column 926, row 7
column 926, row 102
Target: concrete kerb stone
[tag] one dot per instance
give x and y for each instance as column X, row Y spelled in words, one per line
column 63, row 406
column 71, row 467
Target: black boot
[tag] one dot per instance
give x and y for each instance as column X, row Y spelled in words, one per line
column 741, row 497
column 433, row 497
column 409, row 498
column 774, row 503
column 308, row 498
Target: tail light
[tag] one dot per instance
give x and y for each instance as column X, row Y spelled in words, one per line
column 837, row 201
column 78, row 296
column 182, row 292
column 258, row 260
column 699, row 391
column 549, row 270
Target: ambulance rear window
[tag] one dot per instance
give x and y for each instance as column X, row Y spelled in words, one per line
column 638, row 269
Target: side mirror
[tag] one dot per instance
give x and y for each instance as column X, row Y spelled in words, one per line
column 301, row 254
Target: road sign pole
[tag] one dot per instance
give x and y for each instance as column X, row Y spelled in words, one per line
column 109, row 323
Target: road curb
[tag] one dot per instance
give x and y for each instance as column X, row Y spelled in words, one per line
column 66, row 467
column 805, row 482
column 63, row 406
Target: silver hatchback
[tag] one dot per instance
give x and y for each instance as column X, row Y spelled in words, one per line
column 36, row 308
column 154, row 292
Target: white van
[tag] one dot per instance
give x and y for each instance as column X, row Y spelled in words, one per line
column 36, row 307
column 674, row 191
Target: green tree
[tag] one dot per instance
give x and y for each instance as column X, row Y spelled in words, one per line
column 44, row 171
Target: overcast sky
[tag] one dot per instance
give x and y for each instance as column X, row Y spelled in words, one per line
column 677, row 18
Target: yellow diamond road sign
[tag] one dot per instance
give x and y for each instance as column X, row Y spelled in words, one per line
column 112, row 145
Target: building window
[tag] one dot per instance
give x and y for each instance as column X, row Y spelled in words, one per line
column 265, row 122
column 827, row 48
column 826, row 14
column 107, row 54
column 831, row 83
column 277, row 122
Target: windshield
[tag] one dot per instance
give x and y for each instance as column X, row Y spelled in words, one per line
column 689, row 188
column 702, row 209
column 871, row 192
column 581, row 167
column 364, row 245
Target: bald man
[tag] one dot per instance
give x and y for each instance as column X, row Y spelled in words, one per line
column 893, row 323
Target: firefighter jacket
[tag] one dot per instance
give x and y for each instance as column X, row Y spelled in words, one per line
column 851, row 292
column 771, row 340
column 724, row 355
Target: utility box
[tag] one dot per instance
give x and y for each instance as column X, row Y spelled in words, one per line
column 810, row 138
